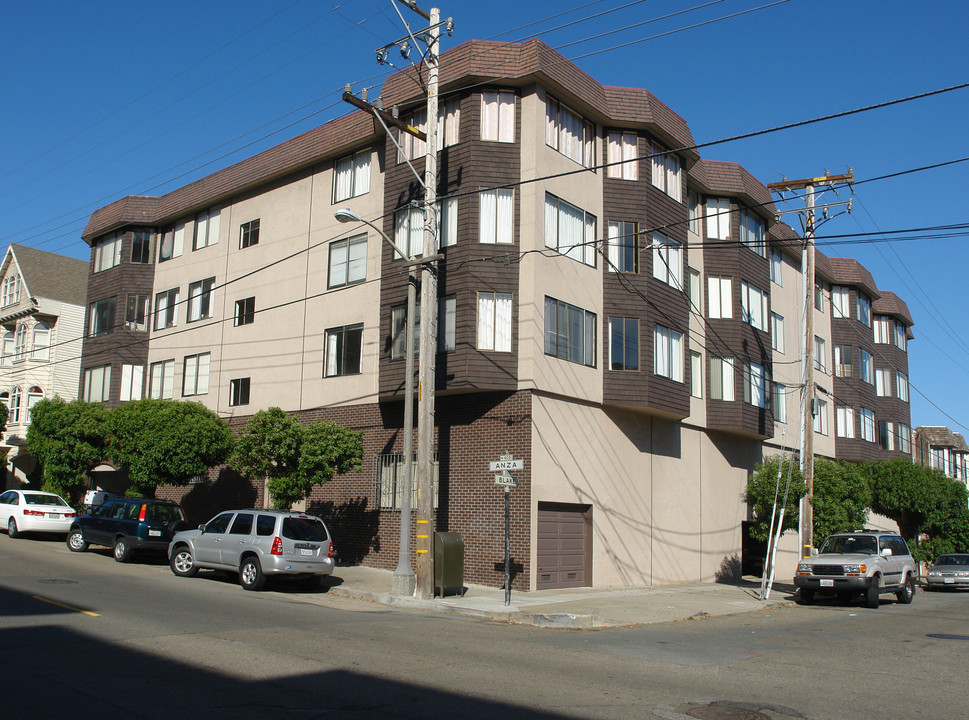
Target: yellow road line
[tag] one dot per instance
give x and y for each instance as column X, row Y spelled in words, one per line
column 66, row 607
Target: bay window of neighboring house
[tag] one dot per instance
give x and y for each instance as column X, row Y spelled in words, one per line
column 102, row 317
column 166, row 309
column 720, row 297
column 883, row 382
column 448, row 123
column 623, row 343
column 107, row 252
column 622, row 155
column 446, row 327
column 200, row 299
column 498, row 116
column 903, row 436
column 666, row 172
column 721, row 379
column 864, row 309
column 570, row 332
column 753, row 233
column 343, row 350
column 901, row 386
column 409, row 230
column 840, row 301
column 569, row 133
column 141, row 246
column 195, row 374
column 132, row 382
column 207, row 226
column 718, row 218
column 866, row 370
column 97, row 384
column 901, row 338
column 496, row 215
column 494, row 321
column 667, row 260
column 162, row 379
column 570, row 230
column 868, row 425
column 882, row 329
column 842, row 361
column 668, row 353
column 351, row 175
column 755, row 385
column 623, row 247
column 136, row 312
column 886, row 435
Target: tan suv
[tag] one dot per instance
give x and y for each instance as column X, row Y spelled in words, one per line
column 866, row 562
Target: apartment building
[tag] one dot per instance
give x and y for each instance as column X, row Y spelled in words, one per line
column 938, row 447
column 42, row 319
column 607, row 305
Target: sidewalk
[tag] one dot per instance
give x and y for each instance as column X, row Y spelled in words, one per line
column 569, row 608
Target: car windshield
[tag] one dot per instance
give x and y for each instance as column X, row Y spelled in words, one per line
column 44, row 500
column 305, row 528
column 952, row 560
column 863, row 545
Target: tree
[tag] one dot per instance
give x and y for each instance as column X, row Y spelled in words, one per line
column 842, row 496
column 67, row 439
column 291, row 457
column 760, row 495
column 166, row 442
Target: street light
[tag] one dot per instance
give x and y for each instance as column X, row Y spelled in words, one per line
column 404, row 580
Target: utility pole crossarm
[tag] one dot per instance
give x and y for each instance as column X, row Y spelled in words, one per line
column 847, row 178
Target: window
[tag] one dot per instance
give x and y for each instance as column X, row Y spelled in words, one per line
column 162, row 379
column 446, row 325
column 721, row 379
column 411, row 146
column 755, row 385
column 249, row 234
column 497, row 214
column 695, row 300
column 20, row 343
column 753, row 305
column 132, row 382
column 885, row 435
column 623, row 244
column 667, row 261
column 34, row 396
column 842, row 361
column 390, row 480
column 14, row 406
column 883, row 382
column 840, row 301
column 494, row 321
column 107, row 252
column 868, row 425
column 342, row 350
column 844, row 422
column 776, row 268
column 668, row 353
column 195, row 375
column 141, row 246
column 903, row 433
column 409, row 230
column 864, row 309
column 570, row 230
column 239, row 392
column 570, row 332
column 569, row 133
column 136, row 312
column 40, row 343
column 206, row 229
column 900, row 335
column 820, row 416
column 498, row 116
column 622, row 155
column 901, row 386
column 696, row 374
column 777, row 332
column 666, row 173
column 865, row 366
column 245, row 311
column 166, row 309
column 818, row 298
column 718, row 218
column 448, row 122
column 351, row 175
column 820, row 355
column 97, row 384
column 11, row 290
column 348, row 262
column 882, row 328
column 623, row 343
column 780, row 403
column 719, row 296
column 200, row 299
column 102, row 317
column 8, row 348
column 753, row 233
column 695, row 213
column 172, row 242
column 447, row 222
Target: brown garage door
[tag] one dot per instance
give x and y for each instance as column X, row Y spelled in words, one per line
column 562, row 546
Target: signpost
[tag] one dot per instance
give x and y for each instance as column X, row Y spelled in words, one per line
column 505, row 479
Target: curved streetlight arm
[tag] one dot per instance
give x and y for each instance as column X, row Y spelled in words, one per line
column 346, row 215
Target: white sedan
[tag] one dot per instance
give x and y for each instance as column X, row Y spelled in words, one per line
column 32, row 511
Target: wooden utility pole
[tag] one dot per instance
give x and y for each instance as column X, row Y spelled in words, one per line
column 807, row 345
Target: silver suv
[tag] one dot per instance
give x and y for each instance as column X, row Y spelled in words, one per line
column 254, row 544
column 867, row 562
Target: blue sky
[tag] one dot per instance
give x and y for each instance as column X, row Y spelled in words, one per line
column 114, row 98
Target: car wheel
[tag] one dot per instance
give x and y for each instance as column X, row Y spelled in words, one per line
column 12, row 530
column 122, row 550
column 871, row 594
column 807, row 597
column 75, row 541
column 907, row 592
column 251, row 576
column 182, row 562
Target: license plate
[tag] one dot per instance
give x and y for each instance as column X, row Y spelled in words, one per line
column 305, row 552
column 948, row 580
column 827, row 583
column 154, row 533
column 53, row 516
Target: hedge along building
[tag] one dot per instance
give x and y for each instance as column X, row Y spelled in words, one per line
column 575, row 319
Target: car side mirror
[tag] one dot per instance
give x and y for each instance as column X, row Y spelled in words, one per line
column 887, row 552
column 202, row 528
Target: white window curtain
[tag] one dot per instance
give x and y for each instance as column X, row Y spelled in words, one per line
column 494, row 321
column 132, row 379
column 614, row 239
column 496, row 215
column 332, row 343
column 659, row 167
column 448, row 121
column 839, row 301
column 673, row 177
column 498, row 116
column 719, row 295
column 718, row 218
column 447, row 223
column 844, row 422
column 344, row 180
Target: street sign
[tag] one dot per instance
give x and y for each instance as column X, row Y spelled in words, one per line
column 506, row 480
column 502, row 465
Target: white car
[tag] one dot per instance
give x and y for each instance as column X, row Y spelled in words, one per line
column 33, row 511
